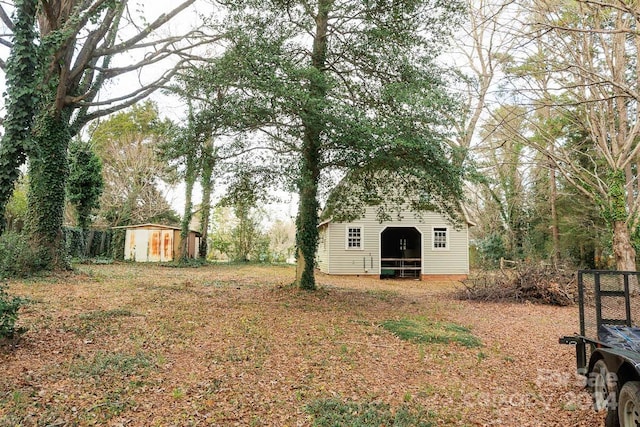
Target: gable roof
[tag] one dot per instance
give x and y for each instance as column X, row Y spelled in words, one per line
column 465, row 214
column 389, row 189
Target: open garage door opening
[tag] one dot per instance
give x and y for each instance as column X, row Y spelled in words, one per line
column 401, row 253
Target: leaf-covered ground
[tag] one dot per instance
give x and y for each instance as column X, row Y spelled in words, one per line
column 145, row 345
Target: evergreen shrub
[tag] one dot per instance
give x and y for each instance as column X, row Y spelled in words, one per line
column 9, row 307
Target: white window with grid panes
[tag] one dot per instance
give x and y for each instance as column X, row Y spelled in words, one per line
column 354, row 237
column 440, row 238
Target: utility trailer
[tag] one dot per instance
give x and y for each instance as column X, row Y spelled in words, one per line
column 608, row 346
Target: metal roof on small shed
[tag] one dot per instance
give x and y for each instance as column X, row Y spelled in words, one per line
column 151, row 225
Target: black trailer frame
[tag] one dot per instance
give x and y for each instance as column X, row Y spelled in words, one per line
column 610, row 301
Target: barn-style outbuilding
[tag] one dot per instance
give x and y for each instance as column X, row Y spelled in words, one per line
column 420, row 246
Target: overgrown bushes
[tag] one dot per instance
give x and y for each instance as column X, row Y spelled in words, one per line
column 96, row 243
column 17, row 258
column 117, row 244
column 9, row 307
column 528, row 282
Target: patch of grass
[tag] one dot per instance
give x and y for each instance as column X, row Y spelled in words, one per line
column 334, row 412
column 177, row 393
column 115, row 364
column 420, row 330
column 112, row 404
column 94, row 323
column 16, row 408
column 382, row 294
column 186, row 263
column 106, row 314
column 220, row 283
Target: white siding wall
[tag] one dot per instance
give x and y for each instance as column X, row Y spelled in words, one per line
column 338, row 259
column 322, row 256
column 454, row 259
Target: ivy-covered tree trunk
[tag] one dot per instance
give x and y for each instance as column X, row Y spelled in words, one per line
column 48, row 170
column 208, row 162
column 21, row 74
column 623, row 250
column 307, row 219
column 190, row 178
column 84, row 187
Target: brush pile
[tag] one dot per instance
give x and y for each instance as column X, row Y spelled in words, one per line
column 535, row 283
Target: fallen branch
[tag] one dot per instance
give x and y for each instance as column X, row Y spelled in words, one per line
column 535, row 283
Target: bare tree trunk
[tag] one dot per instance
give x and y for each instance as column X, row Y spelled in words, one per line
column 555, row 232
column 623, row 250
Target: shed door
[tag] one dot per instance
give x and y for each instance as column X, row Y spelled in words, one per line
column 155, row 246
column 140, row 244
column 130, row 245
column 167, row 246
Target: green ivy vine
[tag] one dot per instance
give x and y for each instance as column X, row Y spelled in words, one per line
column 21, row 100
column 616, row 207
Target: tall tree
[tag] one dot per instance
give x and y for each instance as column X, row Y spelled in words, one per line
column 482, row 47
column 546, row 125
column 212, row 119
column 127, row 142
column 206, row 182
column 503, row 159
column 244, row 195
column 184, row 152
column 85, row 183
column 62, row 54
column 591, row 56
column 352, row 87
column 192, row 152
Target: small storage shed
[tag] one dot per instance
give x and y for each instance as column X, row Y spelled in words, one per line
column 414, row 246
column 157, row 243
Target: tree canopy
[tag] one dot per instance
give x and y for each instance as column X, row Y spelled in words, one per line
column 127, row 143
column 62, row 53
column 336, row 87
column 347, row 104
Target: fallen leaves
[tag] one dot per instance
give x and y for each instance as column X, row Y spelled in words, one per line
column 131, row 345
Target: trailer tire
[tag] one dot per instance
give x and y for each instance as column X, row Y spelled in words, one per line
column 629, row 404
column 604, row 387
